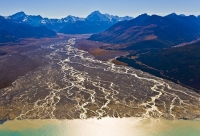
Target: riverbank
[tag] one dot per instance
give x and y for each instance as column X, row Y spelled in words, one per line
column 95, row 49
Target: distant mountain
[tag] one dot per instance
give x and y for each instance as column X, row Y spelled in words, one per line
column 151, row 32
column 95, row 22
column 54, row 24
column 12, row 31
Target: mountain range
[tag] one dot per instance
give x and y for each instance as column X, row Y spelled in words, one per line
column 144, row 31
column 37, row 20
column 94, row 22
column 12, row 31
column 20, row 25
column 153, row 31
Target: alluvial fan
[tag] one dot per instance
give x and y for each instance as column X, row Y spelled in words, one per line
column 75, row 85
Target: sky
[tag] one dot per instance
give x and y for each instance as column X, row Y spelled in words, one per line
column 81, row 8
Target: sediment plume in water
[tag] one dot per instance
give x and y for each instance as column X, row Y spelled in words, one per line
column 103, row 127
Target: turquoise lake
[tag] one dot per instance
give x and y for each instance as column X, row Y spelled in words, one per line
column 102, row 127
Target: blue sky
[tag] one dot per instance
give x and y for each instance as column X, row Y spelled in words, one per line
column 62, row 8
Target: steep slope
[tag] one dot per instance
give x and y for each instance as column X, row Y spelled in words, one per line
column 151, row 32
column 180, row 63
column 12, row 31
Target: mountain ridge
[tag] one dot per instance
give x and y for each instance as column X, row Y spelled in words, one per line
column 11, row 31
column 62, row 25
column 165, row 31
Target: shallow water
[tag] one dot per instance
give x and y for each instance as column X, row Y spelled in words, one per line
column 102, row 127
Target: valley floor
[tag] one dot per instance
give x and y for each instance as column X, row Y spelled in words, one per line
column 69, row 83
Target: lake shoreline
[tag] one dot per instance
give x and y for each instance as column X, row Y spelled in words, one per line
column 105, row 126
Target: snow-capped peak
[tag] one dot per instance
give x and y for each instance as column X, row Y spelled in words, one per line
column 18, row 15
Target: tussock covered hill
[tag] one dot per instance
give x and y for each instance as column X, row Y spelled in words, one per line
column 151, row 32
